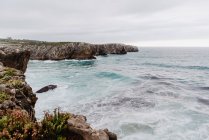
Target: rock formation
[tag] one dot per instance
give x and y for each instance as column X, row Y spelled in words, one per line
column 68, row 50
column 77, row 124
column 15, row 93
column 14, row 58
column 61, row 51
column 17, row 96
column 46, row 88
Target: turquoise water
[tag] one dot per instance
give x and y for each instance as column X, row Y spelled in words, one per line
column 155, row 94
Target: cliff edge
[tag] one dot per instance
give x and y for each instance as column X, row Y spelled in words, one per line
column 17, row 114
column 41, row 50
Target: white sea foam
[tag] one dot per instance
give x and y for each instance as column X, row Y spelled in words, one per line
column 136, row 101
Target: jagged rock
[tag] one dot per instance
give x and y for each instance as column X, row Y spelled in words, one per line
column 14, row 58
column 77, row 125
column 112, row 136
column 46, row 88
column 70, row 50
column 16, row 92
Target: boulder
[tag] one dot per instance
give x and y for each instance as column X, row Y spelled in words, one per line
column 46, row 88
column 78, row 126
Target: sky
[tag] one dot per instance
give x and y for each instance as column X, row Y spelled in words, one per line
column 136, row 22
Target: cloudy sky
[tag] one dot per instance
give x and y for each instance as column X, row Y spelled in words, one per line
column 139, row 22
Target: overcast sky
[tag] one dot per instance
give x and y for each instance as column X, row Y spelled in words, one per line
column 140, row 22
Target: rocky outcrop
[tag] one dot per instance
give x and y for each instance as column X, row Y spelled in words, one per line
column 14, row 58
column 114, row 49
column 17, row 98
column 46, row 88
column 41, row 50
column 77, row 125
column 61, row 51
column 15, row 93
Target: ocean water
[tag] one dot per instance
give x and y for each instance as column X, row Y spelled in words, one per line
column 155, row 94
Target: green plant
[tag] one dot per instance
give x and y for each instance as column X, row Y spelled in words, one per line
column 54, row 126
column 3, row 96
column 7, row 75
column 16, row 124
column 9, row 72
column 16, row 84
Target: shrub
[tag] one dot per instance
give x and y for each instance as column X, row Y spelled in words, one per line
column 16, row 124
column 54, row 126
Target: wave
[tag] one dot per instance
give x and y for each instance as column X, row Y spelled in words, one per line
column 79, row 62
column 110, row 75
column 177, row 66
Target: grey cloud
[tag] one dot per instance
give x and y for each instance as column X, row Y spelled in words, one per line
column 104, row 20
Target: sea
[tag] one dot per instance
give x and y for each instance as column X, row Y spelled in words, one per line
column 154, row 94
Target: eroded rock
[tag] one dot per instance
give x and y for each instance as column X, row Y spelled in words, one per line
column 46, row 88
column 14, row 58
column 77, row 125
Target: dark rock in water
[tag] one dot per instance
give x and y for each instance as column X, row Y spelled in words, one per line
column 112, row 136
column 15, row 58
column 203, row 101
column 204, row 88
column 46, row 88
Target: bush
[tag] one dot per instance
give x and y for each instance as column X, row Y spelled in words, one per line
column 54, row 125
column 16, row 124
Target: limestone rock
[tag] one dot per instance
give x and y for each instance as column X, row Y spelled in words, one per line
column 77, row 125
column 15, row 58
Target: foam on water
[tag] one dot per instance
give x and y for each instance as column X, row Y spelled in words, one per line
column 154, row 94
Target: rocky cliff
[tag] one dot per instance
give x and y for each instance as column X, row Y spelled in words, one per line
column 68, row 50
column 14, row 58
column 17, row 115
column 60, row 51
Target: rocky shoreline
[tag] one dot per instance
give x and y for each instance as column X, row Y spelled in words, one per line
column 66, row 50
column 17, row 115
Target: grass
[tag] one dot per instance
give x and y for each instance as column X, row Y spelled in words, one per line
column 3, row 96
column 9, row 72
column 16, row 84
column 7, row 75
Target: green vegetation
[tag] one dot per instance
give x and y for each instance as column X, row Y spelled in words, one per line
column 6, row 75
column 55, row 125
column 8, row 72
column 25, row 42
column 17, row 125
column 3, row 96
column 16, row 84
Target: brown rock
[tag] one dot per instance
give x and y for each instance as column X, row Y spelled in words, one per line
column 77, row 125
column 15, row 59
